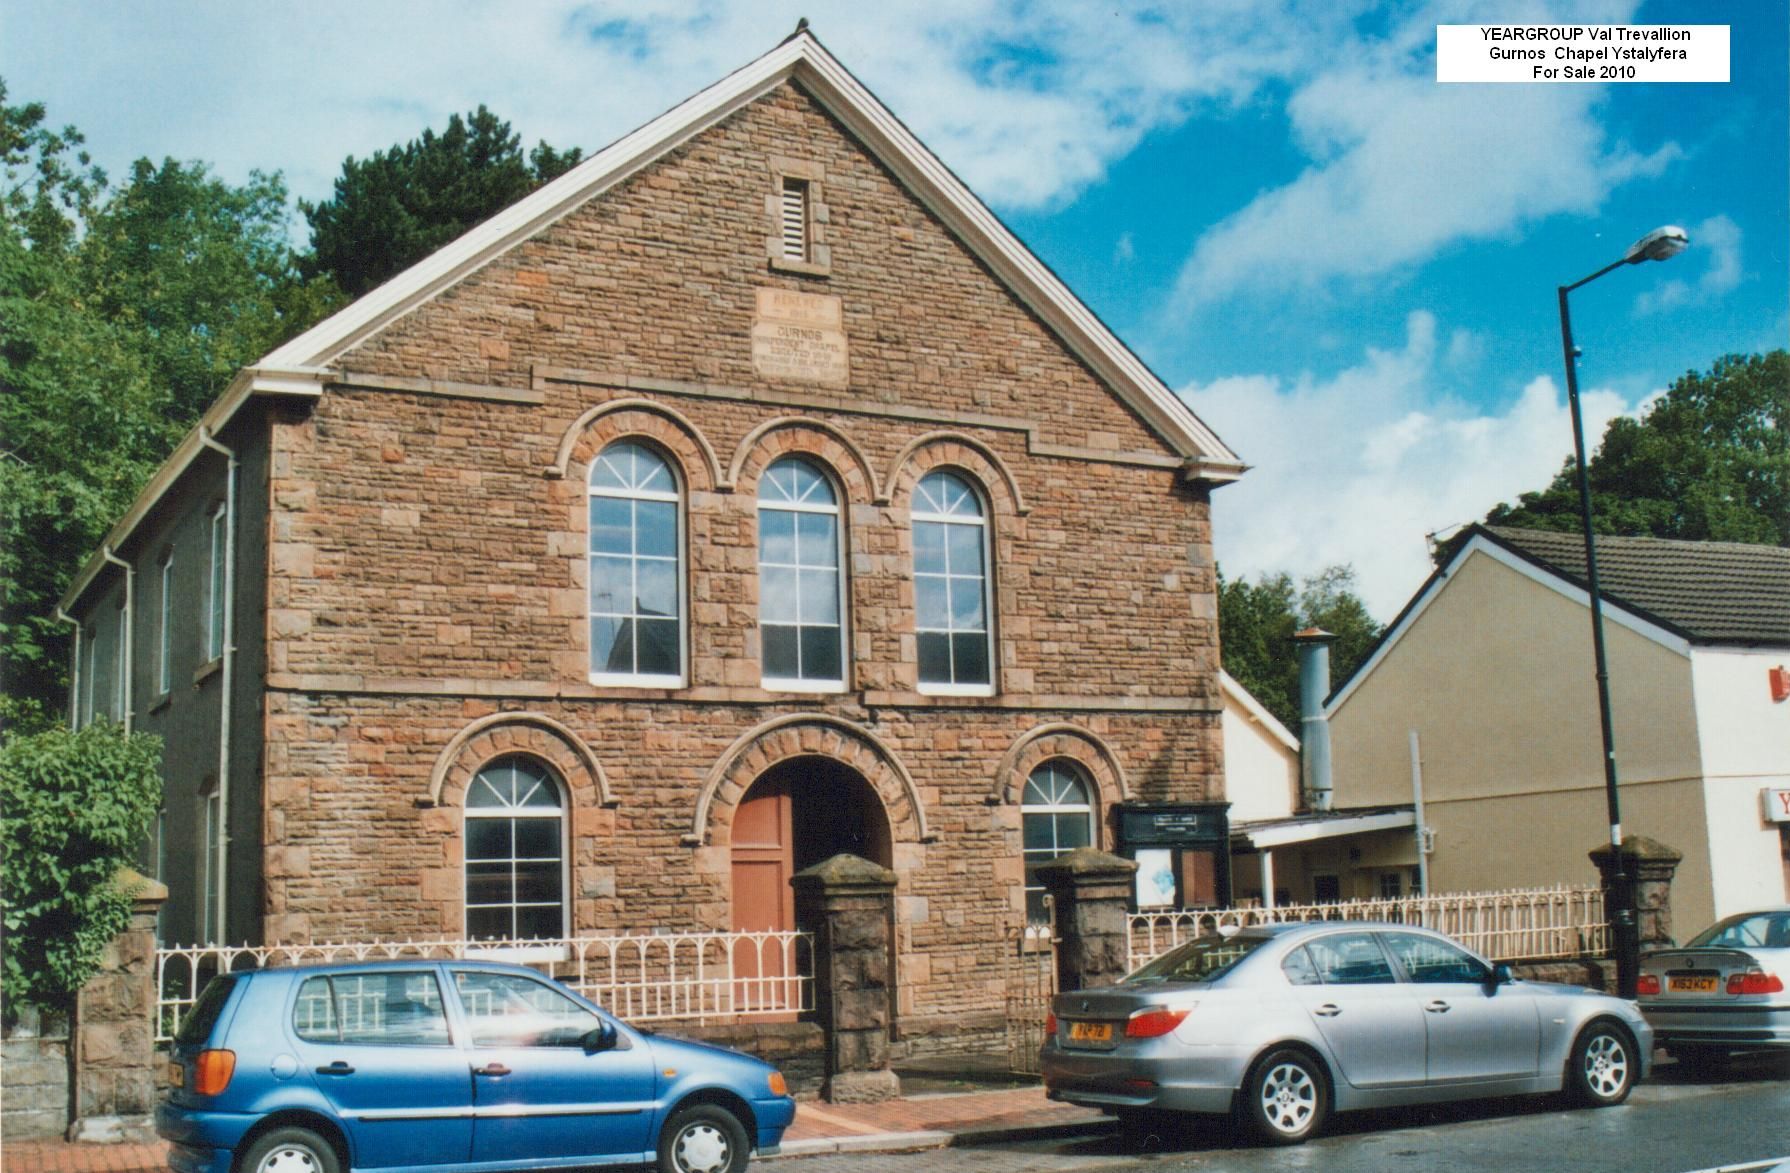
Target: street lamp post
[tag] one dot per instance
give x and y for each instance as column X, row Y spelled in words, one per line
column 1658, row 245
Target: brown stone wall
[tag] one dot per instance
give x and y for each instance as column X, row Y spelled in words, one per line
column 361, row 850
column 427, row 568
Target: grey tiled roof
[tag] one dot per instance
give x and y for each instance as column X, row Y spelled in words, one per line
column 1710, row 592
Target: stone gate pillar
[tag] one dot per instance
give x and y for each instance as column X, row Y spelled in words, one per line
column 116, row 1071
column 1649, row 866
column 1092, row 893
column 849, row 903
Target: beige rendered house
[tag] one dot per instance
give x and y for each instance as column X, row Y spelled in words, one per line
column 1491, row 665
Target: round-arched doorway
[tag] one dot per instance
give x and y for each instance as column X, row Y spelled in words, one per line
column 794, row 815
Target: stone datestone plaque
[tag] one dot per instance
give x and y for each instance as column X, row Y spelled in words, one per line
column 800, row 337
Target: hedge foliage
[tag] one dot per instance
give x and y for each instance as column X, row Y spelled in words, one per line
column 74, row 809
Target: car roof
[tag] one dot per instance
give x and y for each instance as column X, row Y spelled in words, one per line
column 399, row 964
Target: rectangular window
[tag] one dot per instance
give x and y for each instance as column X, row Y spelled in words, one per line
column 1391, row 885
column 793, row 218
column 164, row 631
column 213, row 927
column 214, row 626
column 89, row 669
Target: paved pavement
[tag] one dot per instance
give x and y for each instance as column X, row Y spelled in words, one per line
column 909, row 1124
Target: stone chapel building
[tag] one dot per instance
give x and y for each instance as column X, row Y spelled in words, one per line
column 747, row 495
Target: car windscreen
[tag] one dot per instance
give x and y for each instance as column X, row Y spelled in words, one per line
column 1202, row 959
column 196, row 1026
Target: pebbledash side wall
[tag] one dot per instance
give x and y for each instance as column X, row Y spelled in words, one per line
column 427, row 571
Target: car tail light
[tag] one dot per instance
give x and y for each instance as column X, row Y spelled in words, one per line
column 1647, row 983
column 212, row 1071
column 779, row 1086
column 1149, row 1024
column 1050, row 1024
column 1755, row 981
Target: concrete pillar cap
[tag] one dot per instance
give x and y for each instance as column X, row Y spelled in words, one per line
column 1086, row 863
column 1638, row 847
column 139, row 887
column 844, row 871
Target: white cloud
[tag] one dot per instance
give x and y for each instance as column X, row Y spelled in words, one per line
column 1402, row 167
column 1029, row 103
column 1718, row 240
column 1358, row 468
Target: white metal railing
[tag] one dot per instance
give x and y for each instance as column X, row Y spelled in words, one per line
column 1530, row 924
column 641, row 977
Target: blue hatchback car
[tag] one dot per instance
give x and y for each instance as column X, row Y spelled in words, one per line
column 448, row 1065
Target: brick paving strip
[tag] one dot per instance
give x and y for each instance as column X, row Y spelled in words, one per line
column 919, row 1122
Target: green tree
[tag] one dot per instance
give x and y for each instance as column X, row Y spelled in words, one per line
column 123, row 313
column 1256, row 622
column 401, row 204
column 1710, row 461
column 74, row 809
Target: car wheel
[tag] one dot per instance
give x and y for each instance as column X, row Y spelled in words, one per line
column 290, row 1150
column 1601, row 1072
column 703, row 1138
column 1285, row 1098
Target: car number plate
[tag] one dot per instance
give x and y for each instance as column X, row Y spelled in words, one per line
column 1090, row 1032
column 176, row 1075
column 1694, row 984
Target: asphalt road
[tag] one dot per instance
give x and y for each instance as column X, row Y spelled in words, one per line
column 1677, row 1122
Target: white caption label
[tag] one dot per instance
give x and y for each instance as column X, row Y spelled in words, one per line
column 1581, row 52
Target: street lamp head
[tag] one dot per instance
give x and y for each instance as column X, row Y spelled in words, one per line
column 1659, row 245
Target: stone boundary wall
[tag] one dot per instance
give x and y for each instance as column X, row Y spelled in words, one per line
column 34, row 1055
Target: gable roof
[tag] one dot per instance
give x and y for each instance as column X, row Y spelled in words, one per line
column 1674, row 593
column 301, row 366
column 1708, row 592
column 803, row 59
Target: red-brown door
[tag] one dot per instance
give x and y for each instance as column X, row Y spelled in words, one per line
column 763, row 861
column 764, row 858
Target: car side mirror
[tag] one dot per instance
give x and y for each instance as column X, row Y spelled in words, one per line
column 600, row 1037
column 1501, row 975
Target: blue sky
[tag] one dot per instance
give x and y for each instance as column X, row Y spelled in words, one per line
column 1346, row 268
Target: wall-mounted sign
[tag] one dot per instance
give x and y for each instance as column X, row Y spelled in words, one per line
column 1174, row 823
column 1777, row 803
column 800, row 337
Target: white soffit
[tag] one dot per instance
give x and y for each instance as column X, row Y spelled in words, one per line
column 1257, row 711
column 1282, row 834
column 805, row 60
column 1614, row 612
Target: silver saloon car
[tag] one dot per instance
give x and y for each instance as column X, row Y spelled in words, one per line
column 1281, row 1025
column 1727, row 990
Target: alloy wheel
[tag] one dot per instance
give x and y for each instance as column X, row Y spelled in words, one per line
column 1606, row 1065
column 1289, row 1098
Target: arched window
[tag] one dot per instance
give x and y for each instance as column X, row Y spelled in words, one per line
column 951, row 601
column 1057, row 817
column 636, row 569
column 800, row 578
column 515, row 859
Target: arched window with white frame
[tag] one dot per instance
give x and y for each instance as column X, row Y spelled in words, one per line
column 1056, row 814
column 636, row 569
column 801, row 578
column 515, row 853
column 952, row 601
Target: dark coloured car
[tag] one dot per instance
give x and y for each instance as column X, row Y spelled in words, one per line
column 1283, row 1024
column 448, row 1065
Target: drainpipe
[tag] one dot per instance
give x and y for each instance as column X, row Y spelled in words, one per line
column 226, row 675
column 1423, row 859
column 74, row 675
column 1314, row 727
column 128, row 643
